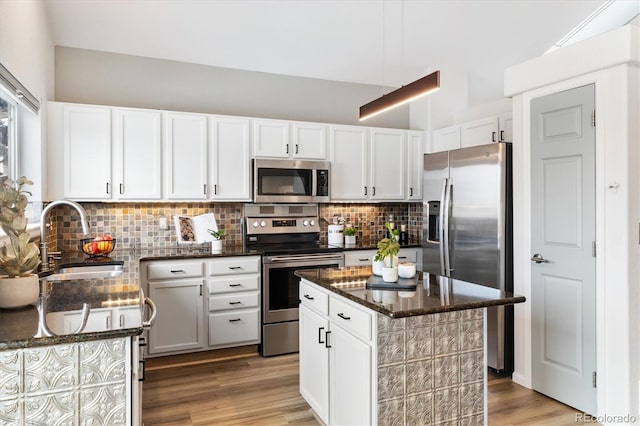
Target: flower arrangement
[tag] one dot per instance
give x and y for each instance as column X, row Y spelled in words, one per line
column 388, row 248
column 21, row 257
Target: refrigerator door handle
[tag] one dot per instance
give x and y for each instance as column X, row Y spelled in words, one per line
column 442, row 225
column 446, row 215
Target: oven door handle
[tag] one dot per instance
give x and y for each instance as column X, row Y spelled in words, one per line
column 298, row 258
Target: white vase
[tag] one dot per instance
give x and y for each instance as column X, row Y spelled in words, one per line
column 350, row 239
column 407, row 270
column 216, row 246
column 376, row 267
column 390, row 275
column 19, row 292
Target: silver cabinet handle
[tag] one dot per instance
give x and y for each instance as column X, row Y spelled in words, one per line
column 538, row 258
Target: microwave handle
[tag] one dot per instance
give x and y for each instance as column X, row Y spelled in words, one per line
column 314, row 182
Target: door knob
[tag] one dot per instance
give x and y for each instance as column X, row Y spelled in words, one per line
column 538, row 258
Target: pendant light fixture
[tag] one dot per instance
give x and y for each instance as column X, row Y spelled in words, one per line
column 412, row 91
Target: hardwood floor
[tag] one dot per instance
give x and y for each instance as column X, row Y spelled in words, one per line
column 238, row 387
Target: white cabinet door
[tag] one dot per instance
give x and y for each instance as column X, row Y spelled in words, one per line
column 185, row 156
column 230, row 162
column 350, row 393
column 87, row 153
column 415, row 164
column 314, row 362
column 479, row 132
column 271, row 139
column 349, row 163
column 445, row 139
column 388, row 164
column 137, row 154
column 179, row 321
column 506, row 127
column 309, row 141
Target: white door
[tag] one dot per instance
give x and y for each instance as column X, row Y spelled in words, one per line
column 388, row 164
column 563, row 231
column 309, row 141
column 271, row 139
column 185, row 156
column 314, row 362
column 349, row 162
column 138, row 158
column 87, row 153
column 415, row 164
column 479, row 132
column 231, row 159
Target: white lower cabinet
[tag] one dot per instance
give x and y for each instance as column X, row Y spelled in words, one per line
column 202, row 304
column 336, row 358
column 365, row 257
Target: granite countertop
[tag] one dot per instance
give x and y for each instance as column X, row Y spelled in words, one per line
column 18, row 327
column 433, row 294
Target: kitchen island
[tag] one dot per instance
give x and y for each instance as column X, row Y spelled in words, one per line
column 411, row 356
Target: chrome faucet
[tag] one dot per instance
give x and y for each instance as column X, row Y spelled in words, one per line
column 44, row 249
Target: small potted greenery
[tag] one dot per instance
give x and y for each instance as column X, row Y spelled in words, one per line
column 19, row 286
column 387, row 256
column 350, row 235
column 216, row 244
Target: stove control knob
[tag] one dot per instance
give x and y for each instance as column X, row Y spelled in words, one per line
column 313, row 222
column 255, row 223
column 263, row 224
column 305, row 222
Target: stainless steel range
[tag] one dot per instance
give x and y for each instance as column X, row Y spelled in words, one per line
column 288, row 236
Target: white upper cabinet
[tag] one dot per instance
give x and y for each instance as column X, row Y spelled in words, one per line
column 506, row 127
column 87, row 152
column 271, row 138
column 137, row 154
column 445, row 139
column 230, row 163
column 388, row 164
column 479, row 132
column 415, row 164
column 349, row 163
column 284, row 139
column 185, row 137
column 309, row 141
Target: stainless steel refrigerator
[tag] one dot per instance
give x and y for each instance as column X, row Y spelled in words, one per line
column 467, row 231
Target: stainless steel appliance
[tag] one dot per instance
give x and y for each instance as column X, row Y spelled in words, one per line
column 467, row 231
column 287, row 236
column 290, row 181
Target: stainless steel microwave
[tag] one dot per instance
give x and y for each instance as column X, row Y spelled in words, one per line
column 291, row 181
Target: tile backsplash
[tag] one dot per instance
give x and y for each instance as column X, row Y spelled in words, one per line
column 137, row 224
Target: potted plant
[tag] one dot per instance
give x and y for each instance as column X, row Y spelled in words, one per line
column 216, row 244
column 387, row 256
column 19, row 286
column 350, row 234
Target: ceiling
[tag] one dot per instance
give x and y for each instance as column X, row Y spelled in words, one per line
column 389, row 42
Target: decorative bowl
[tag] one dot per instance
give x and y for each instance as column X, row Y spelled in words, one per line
column 98, row 246
column 407, row 270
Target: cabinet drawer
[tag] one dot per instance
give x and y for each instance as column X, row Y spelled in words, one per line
column 173, row 270
column 226, row 302
column 351, row 318
column 234, row 327
column 233, row 284
column 314, row 298
column 233, row 265
column 408, row 255
column 359, row 258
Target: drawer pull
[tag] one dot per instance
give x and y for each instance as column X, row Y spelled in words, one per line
column 306, row 296
column 235, row 285
column 326, row 339
column 320, row 335
column 235, row 267
column 235, row 303
column 235, row 320
column 402, row 257
column 363, row 260
column 177, row 271
column 343, row 316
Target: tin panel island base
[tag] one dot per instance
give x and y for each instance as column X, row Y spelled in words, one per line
column 370, row 356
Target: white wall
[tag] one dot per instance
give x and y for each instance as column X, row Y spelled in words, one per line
column 26, row 50
column 616, row 74
column 88, row 76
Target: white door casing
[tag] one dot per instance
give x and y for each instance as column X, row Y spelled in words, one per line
column 563, row 291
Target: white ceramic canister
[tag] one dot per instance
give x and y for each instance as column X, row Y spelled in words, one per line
column 336, row 234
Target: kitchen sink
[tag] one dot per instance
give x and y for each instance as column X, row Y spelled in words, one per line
column 82, row 272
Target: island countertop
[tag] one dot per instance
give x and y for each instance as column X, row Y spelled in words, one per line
column 433, row 294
